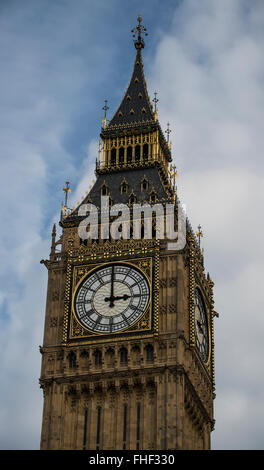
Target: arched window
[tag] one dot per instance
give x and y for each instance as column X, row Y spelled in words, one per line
column 97, row 357
column 121, row 155
column 110, row 357
column 123, row 186
column 132, row 199
column 113, row 156
column 107, row 156
column 152, row 197
column 149, row 353
column 144, row 185
column 129, row 154
column 104, row 190
column 137, row 153
column 72, row 360
column 123, row 355
column 145, row 151
column 135, row 354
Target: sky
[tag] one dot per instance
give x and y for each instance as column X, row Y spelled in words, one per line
column 59, row 61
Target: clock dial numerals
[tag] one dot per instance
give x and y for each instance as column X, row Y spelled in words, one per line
column 112, row 298
column 201, row 327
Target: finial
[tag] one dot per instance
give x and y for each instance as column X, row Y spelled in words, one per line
column 105, row 108
column 139, row 29
column 173, row 175
column 168, row 131
column 199, row 234
column 155, row 101
column 67, row 190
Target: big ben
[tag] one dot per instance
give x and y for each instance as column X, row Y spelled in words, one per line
column 128, row 346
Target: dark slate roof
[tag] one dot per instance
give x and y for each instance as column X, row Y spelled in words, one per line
column 136, row 98
column 133, row 178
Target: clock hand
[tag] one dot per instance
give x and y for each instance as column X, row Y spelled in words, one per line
column 111, row 298
column 123, row 297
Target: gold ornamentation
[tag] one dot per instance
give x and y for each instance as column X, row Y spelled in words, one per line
column 79, row 266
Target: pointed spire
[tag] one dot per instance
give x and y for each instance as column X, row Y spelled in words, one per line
column 135, row 106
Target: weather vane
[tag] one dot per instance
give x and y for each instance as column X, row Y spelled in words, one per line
column 138, row 30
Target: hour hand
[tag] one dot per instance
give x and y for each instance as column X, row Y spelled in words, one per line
column 123, row 297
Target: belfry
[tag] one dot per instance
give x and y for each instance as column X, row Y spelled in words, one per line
column 128, row 346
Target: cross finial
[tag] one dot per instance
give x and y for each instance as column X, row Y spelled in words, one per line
column 168, row 131
column 139, row 29
column 173, row 175
column 155, row 100
column 199, row 234
column 67, row 190
column 105, row 108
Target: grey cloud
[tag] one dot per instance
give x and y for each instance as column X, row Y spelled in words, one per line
column 209, row 71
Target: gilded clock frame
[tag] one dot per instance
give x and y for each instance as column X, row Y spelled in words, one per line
column 198, row 281
column 78, row 268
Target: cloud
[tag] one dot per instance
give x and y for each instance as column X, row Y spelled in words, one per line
column 210, row 76
column 209, row 71
column 45, row 75
column 87, row 173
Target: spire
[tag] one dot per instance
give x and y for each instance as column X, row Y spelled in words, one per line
column 135, row 106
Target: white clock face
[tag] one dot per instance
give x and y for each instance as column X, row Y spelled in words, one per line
column 201, row 328
column 112, row 298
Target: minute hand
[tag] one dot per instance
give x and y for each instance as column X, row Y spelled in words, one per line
column 111, row 298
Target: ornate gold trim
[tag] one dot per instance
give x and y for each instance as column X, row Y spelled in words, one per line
column 147, row 261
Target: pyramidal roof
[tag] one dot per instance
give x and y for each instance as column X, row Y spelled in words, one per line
column 135, row 106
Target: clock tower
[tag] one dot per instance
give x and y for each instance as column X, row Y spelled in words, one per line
column 128, row 347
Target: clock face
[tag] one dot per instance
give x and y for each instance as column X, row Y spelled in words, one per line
column 201, row 327
column 111, row 298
